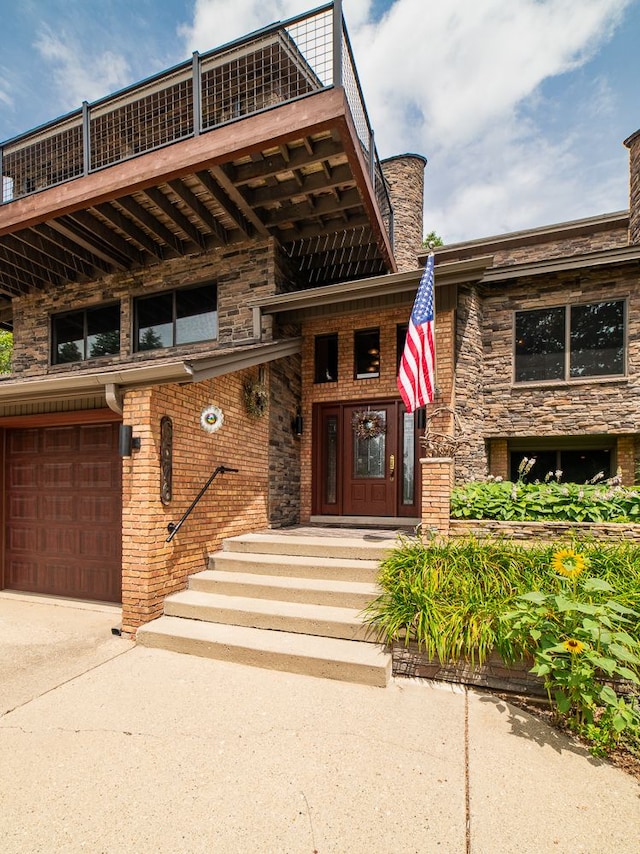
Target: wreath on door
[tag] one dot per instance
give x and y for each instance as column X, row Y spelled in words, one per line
column 367, row 424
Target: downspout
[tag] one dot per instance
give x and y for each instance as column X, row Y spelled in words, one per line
column 113, row 397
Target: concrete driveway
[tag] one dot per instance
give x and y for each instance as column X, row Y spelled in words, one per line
column 108, row 747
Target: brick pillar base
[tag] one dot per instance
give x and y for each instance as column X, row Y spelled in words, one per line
column 626, row 459
column 437, row 483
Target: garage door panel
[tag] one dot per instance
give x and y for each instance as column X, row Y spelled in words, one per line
column 23, row 441
column 59, row 439
column 23, row 473
column 96, row 474
column 63, row 511
column 58, row 508
column 22, row 507
column 57, row 474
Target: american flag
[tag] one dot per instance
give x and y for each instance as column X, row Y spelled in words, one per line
column 416, row 377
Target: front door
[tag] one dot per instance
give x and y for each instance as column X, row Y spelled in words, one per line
column 366, row 460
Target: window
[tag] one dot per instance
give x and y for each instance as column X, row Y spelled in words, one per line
column 326, row 358
column 401, row 337
column 574, row 465
column 367, row 353
column 87, row 334
column 176, row 317
column 570, row 342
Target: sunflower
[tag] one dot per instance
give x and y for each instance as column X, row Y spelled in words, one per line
column 568, row 563
column 573, row 646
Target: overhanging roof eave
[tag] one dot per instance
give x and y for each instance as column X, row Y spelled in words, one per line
column 605, row 258
column 445, row 274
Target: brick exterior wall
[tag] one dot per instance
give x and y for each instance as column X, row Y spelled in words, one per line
column 405, row 178
column 234, row 504
column 349, row 389
column 241, row 272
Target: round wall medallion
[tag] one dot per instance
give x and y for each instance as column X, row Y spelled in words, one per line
column 211, row 419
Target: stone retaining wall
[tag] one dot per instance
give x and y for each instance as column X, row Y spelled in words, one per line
column 544, row 531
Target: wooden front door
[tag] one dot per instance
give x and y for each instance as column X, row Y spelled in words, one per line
column 366, row 461
column 63, row 500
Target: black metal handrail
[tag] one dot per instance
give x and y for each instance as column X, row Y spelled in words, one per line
column 174, row 527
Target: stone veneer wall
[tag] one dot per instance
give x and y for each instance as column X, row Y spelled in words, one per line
column 471, row 462
column 405, row 177
column 575, row 408
column 240, row 271
column 634, row 188
column 544, row 531
column 234, row 504
column 522, row 250
column 284, row 446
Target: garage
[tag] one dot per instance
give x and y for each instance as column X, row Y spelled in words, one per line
column 62, row 511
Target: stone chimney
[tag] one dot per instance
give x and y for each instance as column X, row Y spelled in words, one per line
column 404, row 175
column 633, row 144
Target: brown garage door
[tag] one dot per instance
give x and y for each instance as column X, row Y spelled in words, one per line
column 63, row 511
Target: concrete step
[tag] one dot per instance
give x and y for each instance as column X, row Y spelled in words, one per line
column 321, row 620
column 319, row 591
column 368, row 546
column 296, row 566
column 327, row 658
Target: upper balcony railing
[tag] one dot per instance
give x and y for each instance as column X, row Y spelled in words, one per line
column 272, row 66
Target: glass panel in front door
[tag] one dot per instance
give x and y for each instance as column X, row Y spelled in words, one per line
column 369, row 453
column 408, row 458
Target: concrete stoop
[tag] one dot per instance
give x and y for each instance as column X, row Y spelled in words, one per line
column 282, row 601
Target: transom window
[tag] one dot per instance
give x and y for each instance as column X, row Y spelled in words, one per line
column 86, row 334
column 176, row 317
column 326, row 358
column 570, row 342
column 366, row 353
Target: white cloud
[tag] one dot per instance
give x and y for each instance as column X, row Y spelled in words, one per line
column 460, row 82
column 79, row 74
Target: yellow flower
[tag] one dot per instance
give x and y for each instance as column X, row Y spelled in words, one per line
column 573, row 646
column 568, row 563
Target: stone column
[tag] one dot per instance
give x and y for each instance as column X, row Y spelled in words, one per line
column 404, row 175
column 633, row 144
column 437, row 483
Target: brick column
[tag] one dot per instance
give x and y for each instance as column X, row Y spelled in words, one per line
column 499, row 458
column 626, row 458
column 437, row 483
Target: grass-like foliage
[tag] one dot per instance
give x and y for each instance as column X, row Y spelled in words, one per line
column 449, row 596
column 461, row 599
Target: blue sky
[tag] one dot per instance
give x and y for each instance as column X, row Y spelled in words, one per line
column 521, row 107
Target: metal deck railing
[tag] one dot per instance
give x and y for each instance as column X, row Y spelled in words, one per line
column 275, row 65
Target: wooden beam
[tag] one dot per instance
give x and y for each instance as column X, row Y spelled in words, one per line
column 52, row 250
column 239, row 200
column 35, row 256
column 173, row 243
column 26, row 274
column 317, row 181
column 176, row 216
column 324, row 206
column 70, row 231
column 200, row 210
column 109, row 237
column 230, row 208
column 117, row 218
column 311, row 230
column 72, row 248
column 248, row 172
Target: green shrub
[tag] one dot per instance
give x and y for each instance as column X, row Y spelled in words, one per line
column 581, row 641
column 449, row 597
column 542, row 502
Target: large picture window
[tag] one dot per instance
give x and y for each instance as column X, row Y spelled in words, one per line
column 570, row 342
column 86, row 334
column 176, row 317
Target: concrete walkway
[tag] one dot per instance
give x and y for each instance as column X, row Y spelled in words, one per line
column 108, row 747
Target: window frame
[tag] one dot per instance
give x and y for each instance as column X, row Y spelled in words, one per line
column 172, row 292
column 567, row 378
column 84, row 314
